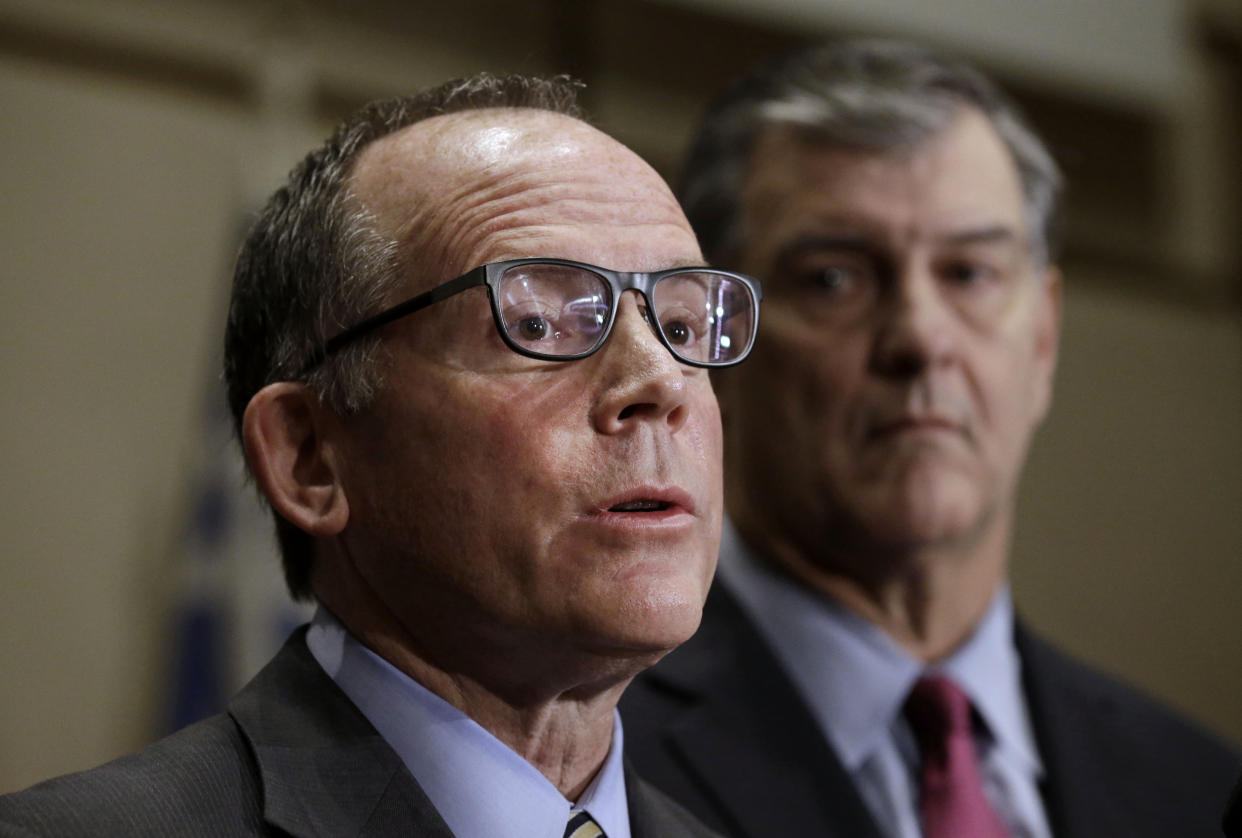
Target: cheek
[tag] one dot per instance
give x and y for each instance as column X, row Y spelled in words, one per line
column 456, row 450
column 532, row 436
column 1009, row 396
column 704, row 425
column 808, row 385
column 703, row 442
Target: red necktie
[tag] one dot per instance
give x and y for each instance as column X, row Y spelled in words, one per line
column 951, row 799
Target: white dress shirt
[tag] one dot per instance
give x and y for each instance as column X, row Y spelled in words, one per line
column 480, row 786
column 854, row 679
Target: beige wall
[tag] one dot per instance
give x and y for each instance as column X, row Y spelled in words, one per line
column 120, row 207
column 1130, row 527
column 125, row 186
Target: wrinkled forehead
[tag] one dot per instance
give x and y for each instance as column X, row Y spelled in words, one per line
column 459, row 190
column 461, row 150
column 961, row 175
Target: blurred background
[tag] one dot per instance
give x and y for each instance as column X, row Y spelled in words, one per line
column 139, row 583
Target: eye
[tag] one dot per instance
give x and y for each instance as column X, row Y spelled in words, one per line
column 533, row 328
column 967, row 273
column 835, row 278
column 678, row 332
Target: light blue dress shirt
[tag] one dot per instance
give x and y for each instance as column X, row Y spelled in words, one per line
column 480, row 786
column 854, row 678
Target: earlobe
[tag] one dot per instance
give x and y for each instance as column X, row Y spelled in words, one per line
column 285, row 434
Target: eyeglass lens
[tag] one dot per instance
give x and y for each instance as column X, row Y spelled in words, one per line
column 560, row 310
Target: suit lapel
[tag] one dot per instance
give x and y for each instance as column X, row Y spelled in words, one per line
column 1232, row 820
column 654, row 815
column 1071, row 729
column 325, row 770
column 750, row 740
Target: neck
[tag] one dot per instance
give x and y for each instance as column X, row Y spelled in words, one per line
column 929, row 611
column 927, row 597
column 564, row 731
column 554, row 709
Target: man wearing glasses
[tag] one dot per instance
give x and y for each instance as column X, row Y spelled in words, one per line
column 467, row 355
column 860, row 671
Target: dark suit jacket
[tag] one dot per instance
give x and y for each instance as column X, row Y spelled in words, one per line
column 1232, row 820
column 719, row 726
column 292, row 756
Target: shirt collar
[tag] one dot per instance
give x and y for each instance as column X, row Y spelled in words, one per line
column 989, row 671
column 478, row 784
column 605, row 797
column 851, row 674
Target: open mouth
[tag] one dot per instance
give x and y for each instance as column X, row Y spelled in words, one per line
column 648, row 503
column 641, row 506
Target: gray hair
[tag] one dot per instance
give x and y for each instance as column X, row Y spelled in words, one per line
column 313, row 264
column 871, row 95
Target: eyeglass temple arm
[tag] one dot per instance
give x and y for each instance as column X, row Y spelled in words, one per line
column 478, row 276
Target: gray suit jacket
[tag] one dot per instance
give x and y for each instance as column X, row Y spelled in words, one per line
column 292, row 756
column 719, row 726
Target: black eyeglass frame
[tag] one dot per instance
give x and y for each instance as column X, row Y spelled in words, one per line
column 490, row 275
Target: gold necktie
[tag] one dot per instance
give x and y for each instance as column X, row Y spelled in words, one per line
column 581, row 825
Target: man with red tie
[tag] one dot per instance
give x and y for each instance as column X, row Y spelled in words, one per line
column 860, row 671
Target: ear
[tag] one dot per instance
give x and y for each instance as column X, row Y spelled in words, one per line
column 1047, row 339
column 286, row 434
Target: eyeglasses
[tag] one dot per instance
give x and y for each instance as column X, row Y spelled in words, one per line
column 558, row 310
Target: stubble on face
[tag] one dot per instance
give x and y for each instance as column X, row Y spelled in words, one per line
column 478, row 469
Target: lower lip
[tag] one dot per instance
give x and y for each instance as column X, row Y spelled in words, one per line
column 674, row 517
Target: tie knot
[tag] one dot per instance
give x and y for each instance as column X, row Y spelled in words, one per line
column 937, row 709
column 582, row 825
column 952, row 800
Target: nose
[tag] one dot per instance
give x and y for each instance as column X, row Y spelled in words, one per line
column 916, row 330
column 642, row 381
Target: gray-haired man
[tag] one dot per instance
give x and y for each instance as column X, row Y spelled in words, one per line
column 860, row 671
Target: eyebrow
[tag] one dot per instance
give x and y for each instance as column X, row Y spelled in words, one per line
column 998, row 233
column 859, row 243
column 866, row 243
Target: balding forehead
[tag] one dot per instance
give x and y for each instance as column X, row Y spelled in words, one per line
column 456, row 153
column 458, row 147
column 449, row 187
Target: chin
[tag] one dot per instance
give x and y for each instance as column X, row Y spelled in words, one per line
column 645, row 603
column 928, row 512
column 651, row 625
